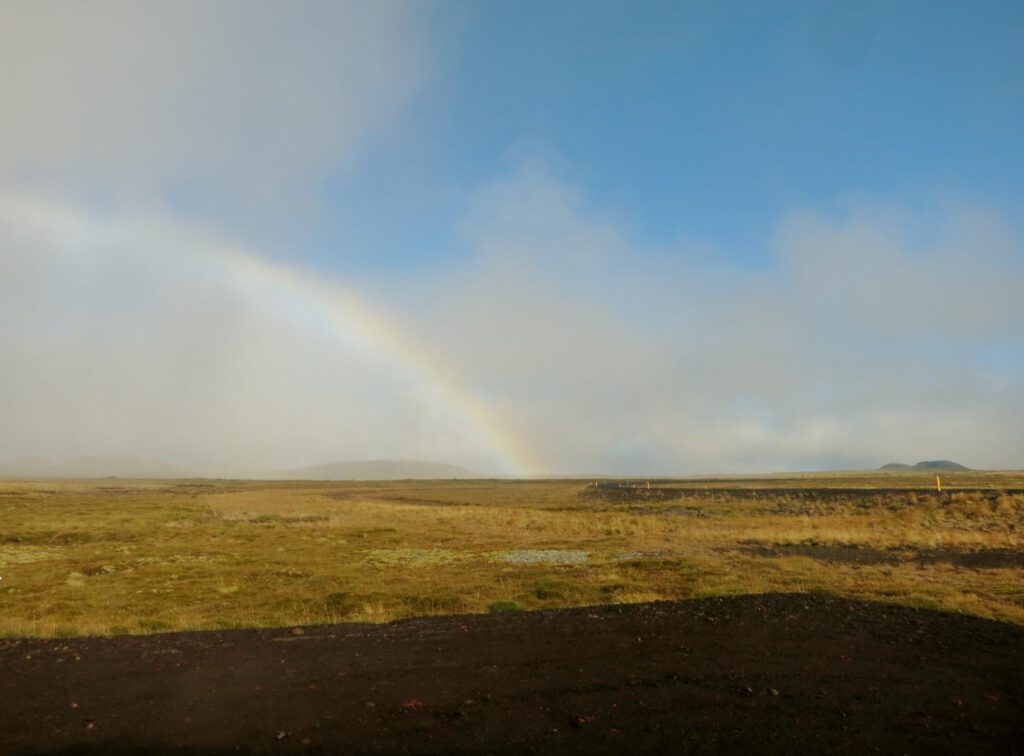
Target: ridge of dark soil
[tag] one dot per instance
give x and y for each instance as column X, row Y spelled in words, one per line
column 621, row 493
column 774, row 673
column 978, row 559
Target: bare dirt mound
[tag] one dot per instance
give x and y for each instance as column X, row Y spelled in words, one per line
column 752, row 674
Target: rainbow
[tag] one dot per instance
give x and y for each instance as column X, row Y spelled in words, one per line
column 305, row 299
column 349, row 319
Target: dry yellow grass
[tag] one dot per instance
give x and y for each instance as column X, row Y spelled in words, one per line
column 88, row 557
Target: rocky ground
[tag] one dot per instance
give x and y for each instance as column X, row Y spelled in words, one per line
column 753, row 674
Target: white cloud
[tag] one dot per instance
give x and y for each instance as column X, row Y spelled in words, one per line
column 856, row 348
column 237, row 106
column 130, row 335
column 867, row 275
column 140, row 337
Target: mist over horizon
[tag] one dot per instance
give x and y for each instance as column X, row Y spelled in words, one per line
column 397, row 238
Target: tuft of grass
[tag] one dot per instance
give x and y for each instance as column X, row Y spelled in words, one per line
column 496, row 607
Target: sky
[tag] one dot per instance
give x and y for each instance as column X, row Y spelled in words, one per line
column 644, row 238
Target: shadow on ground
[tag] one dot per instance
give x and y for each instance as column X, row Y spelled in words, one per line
column 778, row 673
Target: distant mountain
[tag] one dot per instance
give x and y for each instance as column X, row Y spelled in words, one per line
column 147, row 469
column 934, row 464
column 93, row 468
column 940, row 464
column 379, row 470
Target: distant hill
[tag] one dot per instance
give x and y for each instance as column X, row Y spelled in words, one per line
column 934, row 464
column 380, row 470
column 94, row 468
column 143, row 469
column 940, row 464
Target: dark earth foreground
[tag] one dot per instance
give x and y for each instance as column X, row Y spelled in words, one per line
column 751, row 674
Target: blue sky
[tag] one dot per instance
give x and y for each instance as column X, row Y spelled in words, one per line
column 706, row 121
column 525, row 237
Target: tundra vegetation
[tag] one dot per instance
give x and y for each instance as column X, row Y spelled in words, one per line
column 117, row 556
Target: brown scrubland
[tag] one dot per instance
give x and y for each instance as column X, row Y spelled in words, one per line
column 105, row 557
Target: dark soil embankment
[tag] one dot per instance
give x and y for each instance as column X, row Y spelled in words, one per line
column 615, row 492
column 755, row 674
column 978, row 559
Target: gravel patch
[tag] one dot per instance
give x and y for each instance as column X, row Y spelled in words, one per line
column 542, row 556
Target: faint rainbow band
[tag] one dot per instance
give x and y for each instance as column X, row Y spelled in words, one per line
column 324, row 304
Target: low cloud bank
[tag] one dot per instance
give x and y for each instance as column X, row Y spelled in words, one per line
column 144, row 338
column 873, row 336
column 863, row 343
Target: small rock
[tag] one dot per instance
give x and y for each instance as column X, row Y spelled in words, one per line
column 89, row 725
column 371, row 705
column 298, row 631
column 74, row 704
column 281, row 735
column 773, row 691
column 306, row 741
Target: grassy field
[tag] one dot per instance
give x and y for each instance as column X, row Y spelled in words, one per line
column 114, row 556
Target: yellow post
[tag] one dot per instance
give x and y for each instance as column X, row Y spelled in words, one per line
column 938, row 484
